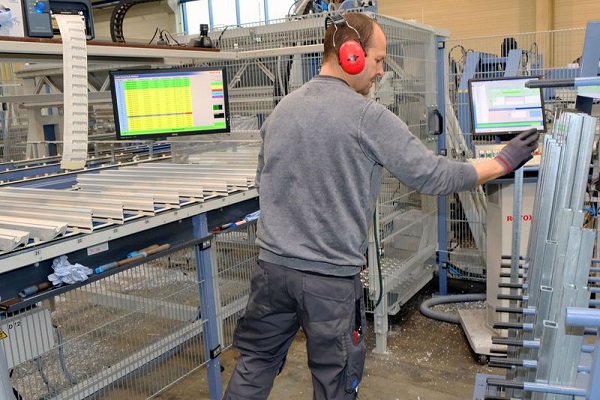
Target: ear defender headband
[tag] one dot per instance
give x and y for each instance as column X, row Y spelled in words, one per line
column 351, row 54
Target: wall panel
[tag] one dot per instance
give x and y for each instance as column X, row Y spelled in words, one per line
column 467, row 18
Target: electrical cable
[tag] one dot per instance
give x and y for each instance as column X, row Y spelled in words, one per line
column 221, row 35
column 118, row 15
column 378, row 257
column 456, row 298
column 153, row 36
column 170, row 35
column 61, row 358
column 51, row 390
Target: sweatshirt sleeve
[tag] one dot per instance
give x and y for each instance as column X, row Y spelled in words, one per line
column 387, row 141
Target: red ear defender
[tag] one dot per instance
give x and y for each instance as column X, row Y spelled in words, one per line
column 352, row 57
column 351, row 54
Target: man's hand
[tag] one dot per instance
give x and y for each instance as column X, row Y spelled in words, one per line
column 519, row 150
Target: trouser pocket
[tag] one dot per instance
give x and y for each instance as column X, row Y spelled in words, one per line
column 357, row 352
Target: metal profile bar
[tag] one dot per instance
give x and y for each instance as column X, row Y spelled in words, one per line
column 12, row 238
column 160, row 197
column 566, row 353
column 131, row 201
column 545, row 195
column 245, row 169
column 584, row 154
column 180, row 177
column 580, row 275
column 38, row 229
column 545, row 299
column 184, row 187
column 176, row 213
column 62, row 205
column 249, row 177
column 192, row 190
column 547, row 343
column 537, row 387
column 74, row 217
column 568, row 164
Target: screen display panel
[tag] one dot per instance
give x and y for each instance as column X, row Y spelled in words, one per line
column 501, row 106
column 157, row 103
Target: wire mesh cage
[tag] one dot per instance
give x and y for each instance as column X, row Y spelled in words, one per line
column 13, row 120
column 131, row 334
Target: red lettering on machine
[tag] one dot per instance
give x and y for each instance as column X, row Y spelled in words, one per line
column 527, row 218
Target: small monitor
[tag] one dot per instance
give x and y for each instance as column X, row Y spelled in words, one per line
column 504, row 106
column 157, row 103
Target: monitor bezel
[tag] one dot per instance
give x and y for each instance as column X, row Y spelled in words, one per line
column 506, row 132
column 151, row 136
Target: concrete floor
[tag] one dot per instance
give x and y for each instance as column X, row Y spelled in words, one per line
column 426, row 360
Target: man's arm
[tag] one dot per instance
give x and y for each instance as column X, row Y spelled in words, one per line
column 488, row 170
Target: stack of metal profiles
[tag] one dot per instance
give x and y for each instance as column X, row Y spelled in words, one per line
column 547, row 359
column 114, row 196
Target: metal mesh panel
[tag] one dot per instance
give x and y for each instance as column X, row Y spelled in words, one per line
column 119, row 334
column 299, row 30
column 13, row 120
column 131, row 334
column 407, row 224
column 549, row 54
column 236, row 256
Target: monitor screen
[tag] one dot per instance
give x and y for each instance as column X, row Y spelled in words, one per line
column 502, row 106
column 156, row 103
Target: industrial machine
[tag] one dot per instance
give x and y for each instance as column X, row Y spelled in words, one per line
column 33, row 18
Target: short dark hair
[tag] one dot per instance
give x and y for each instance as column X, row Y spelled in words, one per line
column 364, row 25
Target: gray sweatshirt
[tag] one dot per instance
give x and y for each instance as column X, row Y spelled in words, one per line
column 323, row 151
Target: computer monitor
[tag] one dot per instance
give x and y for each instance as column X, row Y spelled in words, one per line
column 157, row 103
column 504, row 106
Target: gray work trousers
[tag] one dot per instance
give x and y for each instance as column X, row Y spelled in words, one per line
column 331, row 312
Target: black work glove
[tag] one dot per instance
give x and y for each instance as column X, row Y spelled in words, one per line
column 519, row 150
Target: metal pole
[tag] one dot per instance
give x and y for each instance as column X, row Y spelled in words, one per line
column 208, row 313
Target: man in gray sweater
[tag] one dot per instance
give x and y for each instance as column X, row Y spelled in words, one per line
column 319, row 171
